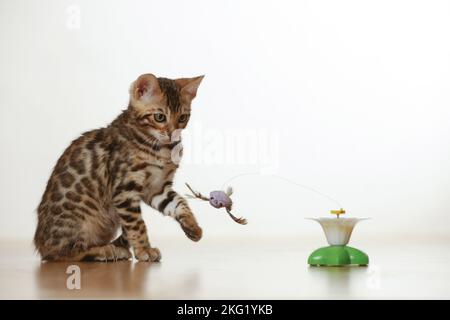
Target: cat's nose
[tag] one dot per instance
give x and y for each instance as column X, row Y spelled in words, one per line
column 170, row 129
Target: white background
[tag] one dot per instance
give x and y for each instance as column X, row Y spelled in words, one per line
column 355, row 94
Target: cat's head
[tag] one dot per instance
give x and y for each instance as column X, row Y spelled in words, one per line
column 162, row 106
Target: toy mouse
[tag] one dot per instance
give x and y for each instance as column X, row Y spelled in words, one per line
column 218, row 199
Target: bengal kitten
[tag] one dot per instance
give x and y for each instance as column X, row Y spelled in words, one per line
column 100, row 180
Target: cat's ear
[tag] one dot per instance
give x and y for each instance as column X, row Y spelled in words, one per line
column 146, row 88
column 189, row 86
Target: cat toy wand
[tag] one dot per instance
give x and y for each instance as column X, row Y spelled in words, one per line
column 218, row 199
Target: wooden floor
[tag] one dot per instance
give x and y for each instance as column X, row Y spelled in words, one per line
column 252, row 269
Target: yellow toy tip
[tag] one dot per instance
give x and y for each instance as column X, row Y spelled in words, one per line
column 337, row 212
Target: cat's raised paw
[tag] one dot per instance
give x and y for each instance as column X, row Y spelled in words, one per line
column 148, row 254
column 191, row 229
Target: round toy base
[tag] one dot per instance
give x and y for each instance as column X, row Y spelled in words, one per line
column 337, row 256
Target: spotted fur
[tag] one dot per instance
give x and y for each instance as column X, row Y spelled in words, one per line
column 100, row 180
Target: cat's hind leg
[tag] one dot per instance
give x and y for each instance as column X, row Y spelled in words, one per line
column 106, row 253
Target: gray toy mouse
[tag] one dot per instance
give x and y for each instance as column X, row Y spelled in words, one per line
column 218, row 199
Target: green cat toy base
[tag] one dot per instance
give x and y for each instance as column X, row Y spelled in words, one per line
column 337, row 256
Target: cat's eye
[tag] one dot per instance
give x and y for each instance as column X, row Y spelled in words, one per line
column 183, row 118
column 159, row 117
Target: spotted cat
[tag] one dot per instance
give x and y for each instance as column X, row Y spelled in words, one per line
column 100, row 180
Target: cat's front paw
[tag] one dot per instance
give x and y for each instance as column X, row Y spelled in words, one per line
column 191, row 228
column 148, row 254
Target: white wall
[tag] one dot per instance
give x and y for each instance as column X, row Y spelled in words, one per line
column 349, row 97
